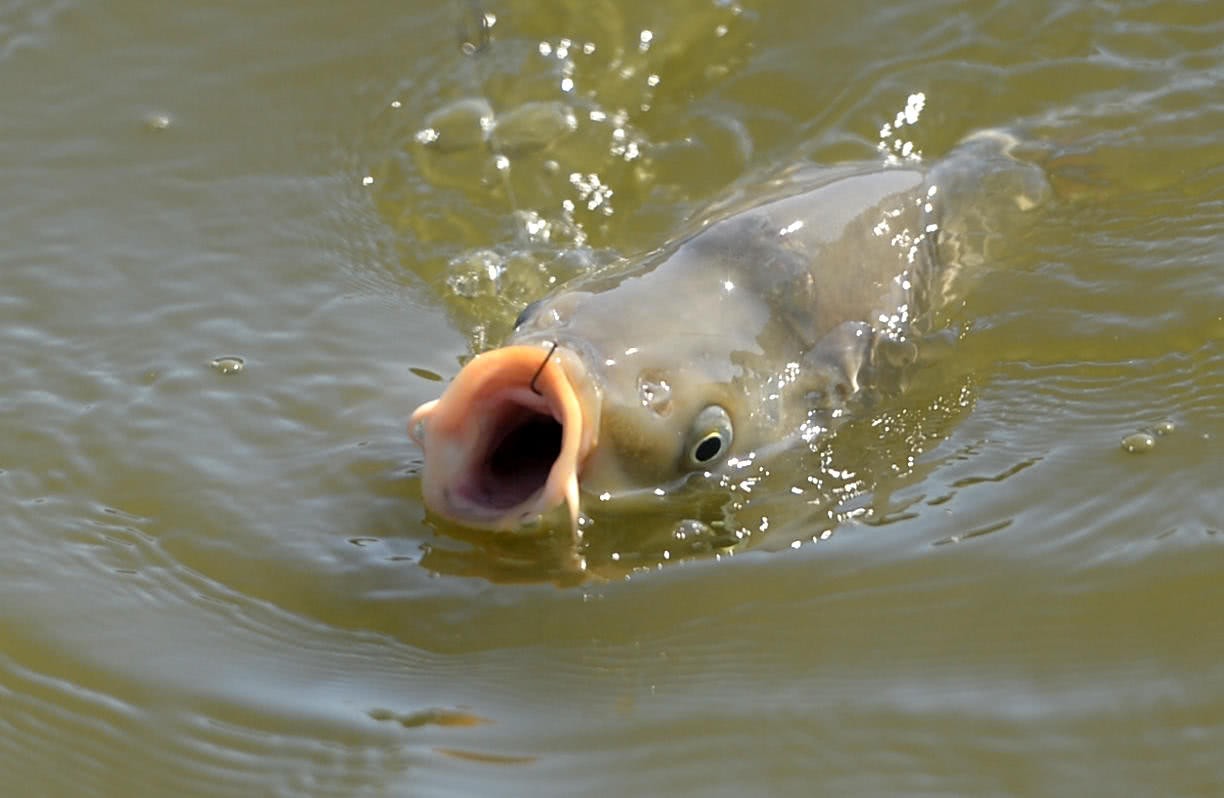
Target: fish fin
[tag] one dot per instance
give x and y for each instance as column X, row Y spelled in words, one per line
column 835, row 367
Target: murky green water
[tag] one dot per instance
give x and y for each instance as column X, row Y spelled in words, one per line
column 220, row 581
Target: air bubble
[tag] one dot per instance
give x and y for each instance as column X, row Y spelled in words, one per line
column 229, row 364
column 461, row 125
column 1139, row 442
column 533, row 126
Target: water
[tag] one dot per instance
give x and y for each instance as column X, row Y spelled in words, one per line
column 218, row 580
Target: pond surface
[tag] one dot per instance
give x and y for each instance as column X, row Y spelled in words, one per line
column 243, row 241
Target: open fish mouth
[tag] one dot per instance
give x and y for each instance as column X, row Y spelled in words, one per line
column 513, row 458
column 505, row 442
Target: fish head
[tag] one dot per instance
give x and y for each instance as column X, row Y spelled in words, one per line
column 663, row 419
column 576, row 403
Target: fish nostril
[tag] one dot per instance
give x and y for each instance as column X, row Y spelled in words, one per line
column 654, row 392
column 417, row 431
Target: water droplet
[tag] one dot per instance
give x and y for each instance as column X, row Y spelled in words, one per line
column 475, row 30
column 230, row 364
column 1164, row 428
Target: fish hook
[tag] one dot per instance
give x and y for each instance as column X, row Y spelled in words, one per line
column 540, row 370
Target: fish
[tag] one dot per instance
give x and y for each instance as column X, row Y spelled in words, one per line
column 750, row 331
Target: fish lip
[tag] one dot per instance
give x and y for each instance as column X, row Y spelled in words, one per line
column 497, row 395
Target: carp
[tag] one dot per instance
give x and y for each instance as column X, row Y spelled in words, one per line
column 745, row 334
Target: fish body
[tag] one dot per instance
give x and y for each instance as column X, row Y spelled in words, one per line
column 741, row 336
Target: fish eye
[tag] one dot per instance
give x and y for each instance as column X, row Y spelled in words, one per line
column 711, row 437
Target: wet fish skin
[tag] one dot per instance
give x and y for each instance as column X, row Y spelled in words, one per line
column 764, row 317
column 739, row 315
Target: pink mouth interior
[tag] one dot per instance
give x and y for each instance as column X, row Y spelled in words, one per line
column 512, row 460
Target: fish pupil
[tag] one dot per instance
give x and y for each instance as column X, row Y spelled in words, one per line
column 708, row 449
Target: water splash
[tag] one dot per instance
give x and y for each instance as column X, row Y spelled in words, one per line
column 896, row 148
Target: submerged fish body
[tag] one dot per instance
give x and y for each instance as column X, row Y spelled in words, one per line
column 742, row 336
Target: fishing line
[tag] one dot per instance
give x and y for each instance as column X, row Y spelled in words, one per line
column 540, row 370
